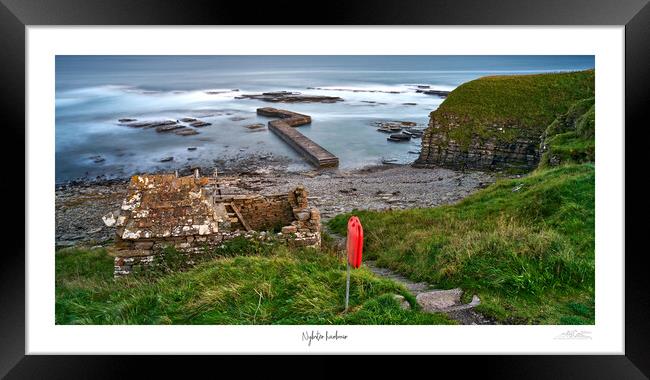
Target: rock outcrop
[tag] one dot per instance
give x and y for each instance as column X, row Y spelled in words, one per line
column 440, row 93
column 440, row 149
column 290, row 97
column 496, row 123
column 165, row 126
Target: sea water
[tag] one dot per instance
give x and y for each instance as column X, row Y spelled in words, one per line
column 93, row 92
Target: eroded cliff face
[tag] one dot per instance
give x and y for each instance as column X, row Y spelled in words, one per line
column 488, row 150
column 498, row 122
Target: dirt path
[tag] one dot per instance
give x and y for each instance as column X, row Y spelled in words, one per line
column 464, row 317
column 414, row 287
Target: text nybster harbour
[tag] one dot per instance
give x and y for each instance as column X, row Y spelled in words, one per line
column 315, row 335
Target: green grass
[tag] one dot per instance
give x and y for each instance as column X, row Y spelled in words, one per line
column 525, row 246
column 521, row 105
column 570, row 138
column 243, row 284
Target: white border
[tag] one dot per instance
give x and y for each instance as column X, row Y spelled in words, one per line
column 43, row 43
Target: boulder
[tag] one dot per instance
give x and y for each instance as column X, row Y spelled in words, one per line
column 439, row 300
column 398, row 137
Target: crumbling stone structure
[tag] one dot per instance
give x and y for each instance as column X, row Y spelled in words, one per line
column 195, row 213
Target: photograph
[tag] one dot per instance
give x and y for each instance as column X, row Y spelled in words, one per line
column 442, row 179
column 325, row 190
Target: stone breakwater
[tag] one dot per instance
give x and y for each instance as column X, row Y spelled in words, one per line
column 489, row 151
column 284, row 128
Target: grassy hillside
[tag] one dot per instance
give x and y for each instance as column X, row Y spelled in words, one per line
column 570, row 138
column 245, row 283
column 529, row 102
column 525, row 246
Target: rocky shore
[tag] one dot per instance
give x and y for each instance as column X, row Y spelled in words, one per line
column 80, row 205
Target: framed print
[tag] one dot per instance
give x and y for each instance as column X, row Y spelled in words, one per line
column 400, row 182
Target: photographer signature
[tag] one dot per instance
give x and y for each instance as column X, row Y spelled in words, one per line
column 574, row 334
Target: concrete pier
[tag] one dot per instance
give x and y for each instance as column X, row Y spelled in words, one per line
column 284, row 128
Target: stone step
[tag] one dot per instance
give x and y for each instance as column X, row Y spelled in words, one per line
column 445, row 301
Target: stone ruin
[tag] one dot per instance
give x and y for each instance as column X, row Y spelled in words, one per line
column 195, row 213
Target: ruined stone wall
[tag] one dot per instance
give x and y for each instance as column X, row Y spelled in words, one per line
column 141, row 255
column 266, row 213
column 305, row 229
column 130, row 254
column 194, row 215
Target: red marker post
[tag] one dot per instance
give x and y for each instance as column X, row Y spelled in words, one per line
column 355, row 251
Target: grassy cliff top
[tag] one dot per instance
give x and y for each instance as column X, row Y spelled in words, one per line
column 526, row 100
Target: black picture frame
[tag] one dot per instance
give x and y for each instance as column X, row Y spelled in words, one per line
column 15, row 15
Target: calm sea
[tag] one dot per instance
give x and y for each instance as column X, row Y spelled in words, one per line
column 92, row 92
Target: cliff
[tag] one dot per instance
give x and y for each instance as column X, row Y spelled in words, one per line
column 498, row 122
